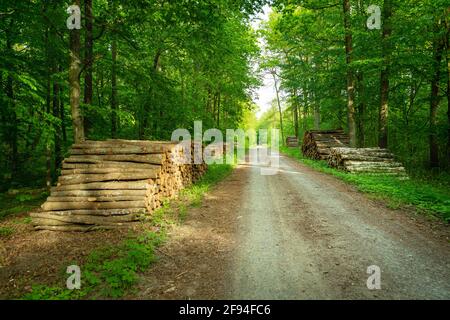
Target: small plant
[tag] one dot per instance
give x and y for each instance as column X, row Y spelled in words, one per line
column 23, row 197
column 6, row 232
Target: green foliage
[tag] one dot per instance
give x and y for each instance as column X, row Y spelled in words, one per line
column 425, row 195
column 6, row 232
column 177, row 61
column 108, row 272
column 20, row 201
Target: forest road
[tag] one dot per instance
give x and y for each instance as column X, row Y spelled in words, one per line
column 299, row 234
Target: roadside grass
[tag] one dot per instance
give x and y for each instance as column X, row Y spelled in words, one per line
column 427, row 196
column 112, row 271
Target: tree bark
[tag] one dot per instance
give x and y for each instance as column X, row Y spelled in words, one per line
column 88, row 58
column 295, row 111
column 279, row 106
column 57, row 136
column 10, row 113
column 438, row 46
column 74, row 84
column 48, row 96
column 305, row 109
column 384, row 81
column 350, row 76
column 447, row 44
column 218, row 110
column 316, row 113
column 361, row 109
column 114, row 90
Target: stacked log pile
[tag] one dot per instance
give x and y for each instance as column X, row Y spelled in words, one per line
column 108, row 184
column 292, row 142
column 365, row 160
column 317, row 144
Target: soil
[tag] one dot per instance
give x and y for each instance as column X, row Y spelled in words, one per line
column 299, row 234
column 40, row 257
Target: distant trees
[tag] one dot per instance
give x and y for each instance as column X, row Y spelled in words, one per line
column 385, row 86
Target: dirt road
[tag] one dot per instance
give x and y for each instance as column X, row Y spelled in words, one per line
column 299, row 234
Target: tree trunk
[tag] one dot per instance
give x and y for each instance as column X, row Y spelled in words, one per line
column 114, row 90
column 305, row 109
column 361, row 109
column 74, row 83
column 384, row 81
column 88, row 59
column 218, row 110
column 48, row 95
column 12, row 125
column 434, row 101
column 350, row 77
column 295, row 111
column 57, row 137
column 316, row 113
column 10, row 114
column 279, row 107
column 447, row 44
column 62, row 113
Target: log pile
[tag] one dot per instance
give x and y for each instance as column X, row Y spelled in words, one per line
column 292, row 142
column 108, row 184
column 365, row 160
column 317, row 144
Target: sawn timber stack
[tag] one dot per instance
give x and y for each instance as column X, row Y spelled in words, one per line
column 109, row 184
column 317, row 144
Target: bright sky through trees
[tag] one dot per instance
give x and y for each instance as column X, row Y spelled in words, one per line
column 266, row 93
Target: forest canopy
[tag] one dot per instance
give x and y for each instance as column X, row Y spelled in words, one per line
column 140, row 69
column 137, row 70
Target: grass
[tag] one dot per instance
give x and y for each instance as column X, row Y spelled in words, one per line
column 112, row 271
column 6, row 232
column 427, row 196
column 20, row 201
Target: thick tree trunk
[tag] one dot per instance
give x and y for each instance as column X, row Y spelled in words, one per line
column 88, row 58
column 447, row 44
column 62, row 115
column 48, row 95
column 434, row 102
column 10, row 114
column 12, row 124
column 74, row 83
column 384, row 81
column 350, row 76
column 57, row 136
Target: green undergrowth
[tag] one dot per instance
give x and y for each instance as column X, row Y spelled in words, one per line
column 428, row 196
column 20, row 201
column 112, row 271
